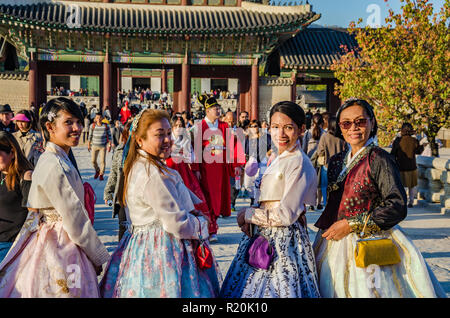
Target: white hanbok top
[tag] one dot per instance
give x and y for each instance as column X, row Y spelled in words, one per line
column 287, row 185
column 56, row 185
column 153, row 196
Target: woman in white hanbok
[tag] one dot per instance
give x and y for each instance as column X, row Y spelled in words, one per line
column 287, row 185
column 57, row 252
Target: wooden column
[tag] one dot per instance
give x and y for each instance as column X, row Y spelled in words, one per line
column 163, row 80
column 333, row 101
column 32, row 82
column 294, row 86
column 254, row 93
column 176, row 87
column 185, row 96
column 115, row 86
column 243, row 93
column 184, row 2
column 107, row 83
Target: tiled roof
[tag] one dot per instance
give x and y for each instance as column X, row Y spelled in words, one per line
column 315, row 48
column 14, row 75
column 160, row 19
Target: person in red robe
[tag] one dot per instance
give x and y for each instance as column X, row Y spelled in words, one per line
column 181, row 159
column 218, row 157
column 125, row 113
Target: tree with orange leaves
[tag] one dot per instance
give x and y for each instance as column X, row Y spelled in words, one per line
column 402, row 69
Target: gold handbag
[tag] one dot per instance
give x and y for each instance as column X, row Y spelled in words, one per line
column 379, row 251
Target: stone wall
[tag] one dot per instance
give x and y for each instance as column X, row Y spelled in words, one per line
column 434, row 181
column 14, row 90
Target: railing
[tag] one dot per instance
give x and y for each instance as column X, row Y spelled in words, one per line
column 434, row 181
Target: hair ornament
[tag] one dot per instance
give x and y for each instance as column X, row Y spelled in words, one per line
column 136, row 119
column 51, row 116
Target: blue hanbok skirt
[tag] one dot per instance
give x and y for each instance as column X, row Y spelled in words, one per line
column 152, row 263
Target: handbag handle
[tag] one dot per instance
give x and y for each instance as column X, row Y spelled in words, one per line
column 200, row 237
column 365, row 224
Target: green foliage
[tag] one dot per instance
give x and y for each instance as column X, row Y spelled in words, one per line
column 402, row 69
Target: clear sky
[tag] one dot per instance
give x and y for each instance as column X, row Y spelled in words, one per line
column 342, row 12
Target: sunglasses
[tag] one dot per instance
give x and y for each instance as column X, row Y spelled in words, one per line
column 360, row 122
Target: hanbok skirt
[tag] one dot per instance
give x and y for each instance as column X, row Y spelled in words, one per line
column 340, row 278
column 112, row 268
column 45, row 263
column 4, row 248
column 155, row 264
column 292, row 273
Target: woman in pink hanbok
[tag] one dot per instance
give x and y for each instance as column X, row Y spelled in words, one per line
column 57, row 252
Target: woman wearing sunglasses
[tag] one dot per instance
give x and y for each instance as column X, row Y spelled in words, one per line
column 363, row 181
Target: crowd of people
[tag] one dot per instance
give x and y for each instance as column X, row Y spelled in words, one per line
column 174, row 174
column 61, row 91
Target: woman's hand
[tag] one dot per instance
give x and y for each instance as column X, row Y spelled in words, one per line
column 241, row 217
column 245, row 227
column 337, row 231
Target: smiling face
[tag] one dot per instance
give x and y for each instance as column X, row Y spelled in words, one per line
column 65, row 131
column 158, row 140
column 284, row 131
column 356, row 135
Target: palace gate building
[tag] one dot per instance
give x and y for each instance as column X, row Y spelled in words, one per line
column 261, row 50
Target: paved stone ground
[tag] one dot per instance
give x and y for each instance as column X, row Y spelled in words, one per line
column 429, row 230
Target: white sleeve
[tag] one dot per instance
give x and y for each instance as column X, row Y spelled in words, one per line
column 162, row 195
column 300, row 189
column 74, row 216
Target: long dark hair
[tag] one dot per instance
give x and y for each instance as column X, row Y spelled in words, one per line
column 19, row 164
column 53, row 107
column 332, row 124
column 176, row 118
column 369, row 112
column 290, row 109
column 317, row 122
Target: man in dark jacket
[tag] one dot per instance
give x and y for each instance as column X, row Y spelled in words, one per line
column 6, row 115
column 404, row 149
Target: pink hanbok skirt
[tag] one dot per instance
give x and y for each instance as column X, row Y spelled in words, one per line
column 44, row 262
